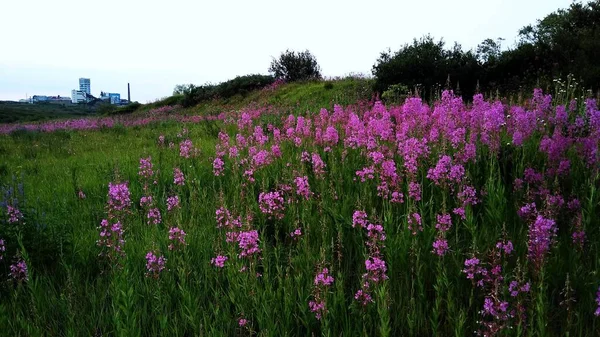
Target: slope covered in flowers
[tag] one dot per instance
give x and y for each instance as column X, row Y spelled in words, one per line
column 443, row 219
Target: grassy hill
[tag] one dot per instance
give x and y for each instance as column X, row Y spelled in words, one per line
column 11, row 112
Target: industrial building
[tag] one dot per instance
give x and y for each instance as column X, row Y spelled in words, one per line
column 84, row 85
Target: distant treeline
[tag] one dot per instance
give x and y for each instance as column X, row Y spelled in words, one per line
column 564, row 42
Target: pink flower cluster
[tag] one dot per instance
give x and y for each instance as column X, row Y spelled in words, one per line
column 176, row 238
column 172, row 202
column 154, row 264
column 2, row 249
column 375, row 265
column 111, row 229
column 19, row 271
column 219, row 261
column 178, row 177
column 302, row 187
column 272, row 204
column 440, row 245
column 14, row 215
column 119, row 198
column 322, row 282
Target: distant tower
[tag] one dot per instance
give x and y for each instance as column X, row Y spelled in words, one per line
column 128, row 94
column 84, row 85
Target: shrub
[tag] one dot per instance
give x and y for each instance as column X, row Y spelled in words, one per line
column 395, row 94
column 292, row 66
column 241, row 85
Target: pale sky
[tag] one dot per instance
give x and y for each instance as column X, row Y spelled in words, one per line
column 45, row 46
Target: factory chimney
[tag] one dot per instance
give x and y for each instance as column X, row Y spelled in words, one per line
column 128, row 94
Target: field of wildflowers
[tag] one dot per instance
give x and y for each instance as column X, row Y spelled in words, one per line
column 448, row 219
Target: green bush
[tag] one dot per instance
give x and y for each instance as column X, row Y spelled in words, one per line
column 292, row 66
column 241, row 85
column 395, row 94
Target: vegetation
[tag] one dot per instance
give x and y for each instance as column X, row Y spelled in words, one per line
column 454, row 218
column 11, row 112
column 564, row 43
column 239, row 86
column 294, row 66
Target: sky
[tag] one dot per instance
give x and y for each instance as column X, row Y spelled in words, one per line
column 46, row 46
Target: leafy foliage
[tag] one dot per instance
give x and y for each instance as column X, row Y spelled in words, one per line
column 241, row 85
column 564, row 42
column 296, row 66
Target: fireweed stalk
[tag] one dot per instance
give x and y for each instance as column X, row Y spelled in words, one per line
column 321, row 285
column 374, row 264
column 112, row 239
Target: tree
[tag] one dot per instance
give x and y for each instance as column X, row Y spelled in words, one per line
column 426, row 63
column 295, row 66
column 489, row 50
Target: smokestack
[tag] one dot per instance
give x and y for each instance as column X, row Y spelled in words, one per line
column 128, row 94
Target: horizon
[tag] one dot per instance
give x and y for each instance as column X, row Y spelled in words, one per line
column 169, row 44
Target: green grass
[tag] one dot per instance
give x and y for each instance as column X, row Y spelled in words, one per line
column 22, row 112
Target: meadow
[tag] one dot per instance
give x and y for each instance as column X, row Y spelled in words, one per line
column 342, row 217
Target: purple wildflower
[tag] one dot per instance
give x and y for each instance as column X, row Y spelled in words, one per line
column 219, row 261
column 154, row 264
column 18, row 271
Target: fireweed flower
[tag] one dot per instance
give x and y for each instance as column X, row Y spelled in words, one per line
column 302, row 187
column 444, row 222
column 2, row 249
column 185, row 148
column 219, row 261
column 146, row 171
column 111, row 238
column 225, row 219
column 154, row 216
column 119, row 197
column 154, row 264
column 318, row 164
column 541, row 235
column 242, row 322
column 178, row 178
column 146, row 201
column 414, row 223
column 597, row 313
column 359, row 218
column 14, row 215
column 323, row 278
column 176, row 238
column 272, row 204
column 440, row 246
column 172, row 202
column 296, row 233
column 218, row 166
column 19, row 272
column 322, row 282
column 248, row 243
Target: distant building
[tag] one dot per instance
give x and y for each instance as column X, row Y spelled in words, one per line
column 115, row 98
column 49, row 99
column 78, row 96
column 112, row 98
column 85, row 86
column 38, row 98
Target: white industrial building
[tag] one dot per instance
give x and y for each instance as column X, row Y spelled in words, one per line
column 78, row 96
